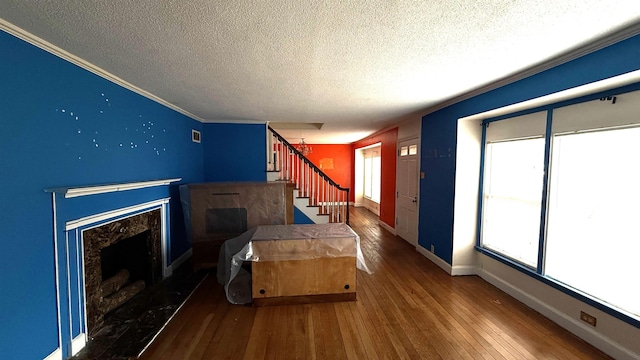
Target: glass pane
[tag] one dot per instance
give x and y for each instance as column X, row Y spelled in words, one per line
column 413, row 149
column 375, row 179
column 367, row 176
column 403, row 151
column 512, row 198
column 593, row 237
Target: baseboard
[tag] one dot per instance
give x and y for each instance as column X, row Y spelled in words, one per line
column 387, row 227
column 78, row 344
column 56, row 355
column 464, row 270
column 179, row 261
column 584, row 332
column 434, row 259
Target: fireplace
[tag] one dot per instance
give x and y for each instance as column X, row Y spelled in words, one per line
column 121, row 258
column 88, row 219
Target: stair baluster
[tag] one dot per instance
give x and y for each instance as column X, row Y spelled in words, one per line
column 322, row 192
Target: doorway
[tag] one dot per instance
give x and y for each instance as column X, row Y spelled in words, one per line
column 407, row 191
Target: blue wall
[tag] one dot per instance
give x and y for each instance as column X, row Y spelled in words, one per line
column 300, row 218
column 439, row 131
column 64, row 126
column 235, row 152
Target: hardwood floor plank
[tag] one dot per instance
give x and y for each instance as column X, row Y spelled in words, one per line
column 171, row 334
column 231, row 333
column 329, row 343
column 356, row 342
column 257, row 342
column 408, row 308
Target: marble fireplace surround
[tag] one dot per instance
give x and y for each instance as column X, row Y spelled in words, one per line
column 105, row 235
column 146, row 208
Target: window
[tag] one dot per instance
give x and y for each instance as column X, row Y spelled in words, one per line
column 587, row 236
column 512, row 198
column 512, row 187
column 593, row 234
column 413, row 149
column 409, row 150
column 372, row 174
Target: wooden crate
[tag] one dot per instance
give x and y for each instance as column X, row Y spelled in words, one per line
column 302, row 281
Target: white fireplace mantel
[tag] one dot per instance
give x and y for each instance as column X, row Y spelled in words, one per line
column 69, row 249
column 70, row 192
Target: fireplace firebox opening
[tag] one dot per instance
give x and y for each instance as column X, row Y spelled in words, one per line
column 121, row 258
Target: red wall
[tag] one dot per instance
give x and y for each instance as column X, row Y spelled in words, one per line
column 388, row 140
column 340, row 157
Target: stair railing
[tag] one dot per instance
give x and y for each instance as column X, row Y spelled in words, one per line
column 311, row 182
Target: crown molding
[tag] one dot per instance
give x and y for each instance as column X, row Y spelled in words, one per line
column 231, row 121
column 63, row 54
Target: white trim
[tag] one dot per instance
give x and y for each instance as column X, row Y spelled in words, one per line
column 568, row 94
column 99, row 220
column 434, row 259
column 52, row 49
column 166, row 269
column 69, row 300
column 71, row 192
column 78, row 343
column 179, row 261
column 84, row 284
column 589, row 335
column 464, row 270
column 55, row 355
column 80, row 284
column 57, row 270
column 223, row 121
column 88, row 220
column 387, row 227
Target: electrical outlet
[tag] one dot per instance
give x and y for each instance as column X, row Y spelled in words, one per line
column 589, row 319
column 433, row 249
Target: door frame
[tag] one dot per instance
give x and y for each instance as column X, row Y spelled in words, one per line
column 418, row 154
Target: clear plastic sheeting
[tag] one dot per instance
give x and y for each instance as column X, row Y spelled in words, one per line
column 221, row 208
column 236, row 280
column 282, row 243
column 215, row 212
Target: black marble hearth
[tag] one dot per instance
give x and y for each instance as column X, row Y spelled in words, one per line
column 130, row 328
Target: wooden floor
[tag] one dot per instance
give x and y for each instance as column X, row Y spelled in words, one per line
column 407, row 309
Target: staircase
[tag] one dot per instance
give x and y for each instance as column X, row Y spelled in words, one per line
column 315, row 194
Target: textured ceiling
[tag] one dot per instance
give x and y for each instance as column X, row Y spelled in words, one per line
column 356, row 66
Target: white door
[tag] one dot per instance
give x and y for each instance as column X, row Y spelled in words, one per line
column 407, row 191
